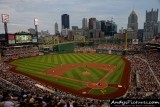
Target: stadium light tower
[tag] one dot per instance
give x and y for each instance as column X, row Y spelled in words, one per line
column 36, row 27
column 5, row 20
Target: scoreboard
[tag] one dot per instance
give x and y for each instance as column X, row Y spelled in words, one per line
column 23, row 38
column 18, row 38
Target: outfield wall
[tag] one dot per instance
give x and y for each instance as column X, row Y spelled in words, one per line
column 64, row 48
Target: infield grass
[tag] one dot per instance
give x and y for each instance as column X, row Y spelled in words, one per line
column 107, row 90
column 77, row 73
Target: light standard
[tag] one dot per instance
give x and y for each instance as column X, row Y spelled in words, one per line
column 5, row 20
column 36, row 29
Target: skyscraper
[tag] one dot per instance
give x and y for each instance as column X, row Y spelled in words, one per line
column 159, row 27
column 150, row 25
column 92, row 23
column 108, row 27
column 65, row 21
column 132, row 27
column 103, row 26
column 111, row 28
column 84, row 23
column 56, row 28
column 98, row 25
column 133, row 21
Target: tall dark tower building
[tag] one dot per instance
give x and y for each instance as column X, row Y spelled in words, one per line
column 103, row 26
column 108, row 27
column 92, row 23
column 65, row 21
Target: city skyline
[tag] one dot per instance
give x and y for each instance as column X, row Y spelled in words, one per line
column 22, row 12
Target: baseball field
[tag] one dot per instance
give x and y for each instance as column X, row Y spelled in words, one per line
column 89, row 75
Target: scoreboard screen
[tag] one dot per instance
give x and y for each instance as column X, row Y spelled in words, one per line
column 23, row 38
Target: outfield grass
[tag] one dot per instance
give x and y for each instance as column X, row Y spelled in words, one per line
column 35, row 65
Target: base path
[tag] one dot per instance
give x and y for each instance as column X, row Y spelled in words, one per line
column 59, row 70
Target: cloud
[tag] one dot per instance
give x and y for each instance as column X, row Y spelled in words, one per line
column 22, row 12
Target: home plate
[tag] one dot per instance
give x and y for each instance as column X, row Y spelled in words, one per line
column 119, row 86
column 84, row 92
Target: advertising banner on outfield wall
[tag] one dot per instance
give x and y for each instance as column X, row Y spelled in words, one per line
column 11, row 39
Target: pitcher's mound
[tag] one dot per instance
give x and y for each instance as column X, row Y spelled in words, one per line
column 86, row 73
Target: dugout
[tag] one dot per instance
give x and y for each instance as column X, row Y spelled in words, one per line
column 64, row 48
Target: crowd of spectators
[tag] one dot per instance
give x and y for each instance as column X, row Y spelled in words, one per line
column 80, row 49
column 153, row 59
column 119, row 47
column 108, row 48
column 14, row 52
column 147, row 85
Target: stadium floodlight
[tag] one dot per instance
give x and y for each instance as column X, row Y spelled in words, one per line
column 36, row 29
column 35, row 21
column 5, row 18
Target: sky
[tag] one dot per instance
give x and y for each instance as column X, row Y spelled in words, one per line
column 22, row 12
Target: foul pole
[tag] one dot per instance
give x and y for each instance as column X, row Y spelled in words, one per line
column 126, row 44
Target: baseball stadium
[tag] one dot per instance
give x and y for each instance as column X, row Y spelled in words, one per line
column 84, row 72
column 79, row 70
column 92, row 66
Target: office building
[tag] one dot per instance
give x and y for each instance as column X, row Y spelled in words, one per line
column 98, row 25
column 133, row 21
column 65, row 21
column 159, row 27
column 132, row 27
column 150, row 25
column 92, row 23
column 111, row 28
column 56, row 28
column 103, row 26
column 84, row 23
